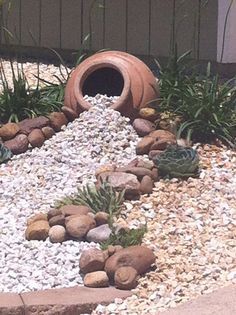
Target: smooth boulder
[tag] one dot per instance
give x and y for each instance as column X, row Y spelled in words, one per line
column 138, row 257
column 96, row 279
column 79, row 226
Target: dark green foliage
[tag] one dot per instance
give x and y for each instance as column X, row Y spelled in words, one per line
column 5, row 153
column 21, row 101
column 125, row 238
column 207, row 107
column 177, row 161
column 104, row 198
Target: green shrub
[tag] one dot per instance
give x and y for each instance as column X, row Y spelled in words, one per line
column 207, row 107
column 125, row 238
column 177, row 161
column 21, row 101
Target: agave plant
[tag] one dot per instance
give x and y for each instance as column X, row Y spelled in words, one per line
column 5, row 153
column 177, row 161
column 104, row 198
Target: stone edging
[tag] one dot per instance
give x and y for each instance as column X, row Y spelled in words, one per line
column 66, row 301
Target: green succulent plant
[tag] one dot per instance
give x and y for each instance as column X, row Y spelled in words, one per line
column 125, row 238
column 177, row 161
column 5, row 153
column 103, row 198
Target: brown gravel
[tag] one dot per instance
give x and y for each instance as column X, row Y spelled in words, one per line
column 192, row 231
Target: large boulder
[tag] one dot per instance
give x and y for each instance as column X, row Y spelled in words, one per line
column 143, row 127
column 138, row 257
column 38, row 230
column 99, row 234
column 125, row 278
column 79, row 226
column 162, row 144
column 91, row 260
column 36, row 138
column 96, row 279
column 53, row 213
column 8, row 131
column 29, row 124
column 18, row 145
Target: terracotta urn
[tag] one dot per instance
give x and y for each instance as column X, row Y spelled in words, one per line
column 113, row 73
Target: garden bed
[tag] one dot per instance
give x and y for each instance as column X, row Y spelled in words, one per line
column 191, row 223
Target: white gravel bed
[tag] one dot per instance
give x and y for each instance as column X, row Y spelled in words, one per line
column 31, row 182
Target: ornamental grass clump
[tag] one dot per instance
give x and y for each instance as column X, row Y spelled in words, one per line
column 177, row 161
column 103, row 198
column 5, row 153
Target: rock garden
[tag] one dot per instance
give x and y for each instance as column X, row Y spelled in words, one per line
column 125, row 180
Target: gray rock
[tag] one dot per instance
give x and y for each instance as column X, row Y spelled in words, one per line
column 99, row 234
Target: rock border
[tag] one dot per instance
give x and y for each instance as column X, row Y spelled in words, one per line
column 33, row 132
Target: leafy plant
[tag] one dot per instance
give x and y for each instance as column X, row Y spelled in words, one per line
column 20, row 101
column 5, row 153
column 209, row 110
column 102, row 198
column 125, row 238
column 177, row 161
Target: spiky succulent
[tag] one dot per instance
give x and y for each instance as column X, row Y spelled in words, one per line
column 5, row 153
column 177, row 161
column 102, row 198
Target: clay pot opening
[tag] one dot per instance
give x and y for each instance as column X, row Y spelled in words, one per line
column 104, row 80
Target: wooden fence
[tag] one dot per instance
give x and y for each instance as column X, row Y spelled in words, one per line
column 141, row 27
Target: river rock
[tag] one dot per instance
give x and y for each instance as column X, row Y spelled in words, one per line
column 57, row 234
column 143, row 126
column 48, row 132
column 29, row 124
column 138, row 257
column 99, row 234
column 38, row 230
column 101, row 218
column 75, row 210
column 125, row 278
column 8, row 131
column 18, row 145
column 79, row 226
column 57, row 220
column 146, row 185
column 57, row 120
column 144, row 145
column 91, row 260
column 96, row 279
column 37, row 217
column 36, row 138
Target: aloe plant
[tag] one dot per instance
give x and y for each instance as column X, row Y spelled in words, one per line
column 5, row 153
column 104, row 198
column 177, row 161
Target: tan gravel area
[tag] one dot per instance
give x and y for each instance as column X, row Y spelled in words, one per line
column 192, row 231
column 46, row 72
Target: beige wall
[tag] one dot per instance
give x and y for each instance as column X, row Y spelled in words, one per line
column 142, row 27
